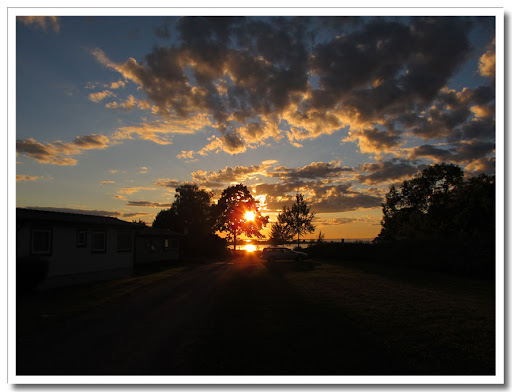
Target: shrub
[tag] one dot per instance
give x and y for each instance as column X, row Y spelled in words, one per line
column 30, row 271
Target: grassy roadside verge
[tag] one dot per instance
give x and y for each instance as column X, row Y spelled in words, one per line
column 439, row 324
column 41, row 309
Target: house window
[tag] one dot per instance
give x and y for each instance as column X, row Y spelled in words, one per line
column 41, row 241
column 166, row 243
column 174, row 244
column 81, row 238
column 99, row 241
column 124, row 240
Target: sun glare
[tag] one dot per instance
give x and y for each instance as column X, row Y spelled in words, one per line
column 250, row 248
column 249, row 216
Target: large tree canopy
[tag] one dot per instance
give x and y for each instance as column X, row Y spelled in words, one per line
column 192, row 212
column 438, row 204
column 239, row 213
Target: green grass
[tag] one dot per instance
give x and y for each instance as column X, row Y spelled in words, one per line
column 432, row 320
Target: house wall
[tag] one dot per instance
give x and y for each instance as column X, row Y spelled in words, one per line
column 151, row 249
column 68, row 259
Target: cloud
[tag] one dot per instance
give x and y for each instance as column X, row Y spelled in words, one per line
column 374, row 140
column 118, row 84
column 314, row 170
column 151, row 204
column 168, row 183
column 101, row 95
column 382, row 172
column 481, row 166
column 338, row 202
column 130, row 103
column 106, row 182
column 57, row 153
column 159, row 132
column 25, row 177
column 229, row 175
column 487, row 64
column 345, row 221
column 43, row 22
column 461, row 152
column 255, row 81
column 143, row 170
column 134, row 214
column 129, row 191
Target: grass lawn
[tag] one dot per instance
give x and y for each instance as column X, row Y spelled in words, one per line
column 433, row 321
column 287, row 318
column 41, row 309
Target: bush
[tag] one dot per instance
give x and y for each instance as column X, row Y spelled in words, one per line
column 449, row 257
column 211, row 246
column 30, row 271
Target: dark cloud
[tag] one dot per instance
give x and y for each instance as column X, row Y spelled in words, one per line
column 167, row 183
column 300, row 77
column 57, row 153
column 387, row 171
column 314, row 170
column 460, row 152
column 144, row 203
column 339, row 202
column 429, row 151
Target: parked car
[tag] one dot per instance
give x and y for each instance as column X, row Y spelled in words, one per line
column 273, row 254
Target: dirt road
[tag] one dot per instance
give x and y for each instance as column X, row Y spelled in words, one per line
column 236, row 318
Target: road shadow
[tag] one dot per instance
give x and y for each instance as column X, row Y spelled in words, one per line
column 283, row 267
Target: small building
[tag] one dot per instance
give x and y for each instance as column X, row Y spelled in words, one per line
column 74, row 247
column 157, row 245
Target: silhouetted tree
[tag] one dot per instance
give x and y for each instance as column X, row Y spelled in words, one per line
column 191, row 213
column 438, row 204
column 140, row 222
column 320, row 238
column 280, row 231
column 232, row 208
column 299, row 217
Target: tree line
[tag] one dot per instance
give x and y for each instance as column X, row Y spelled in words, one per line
column 440, row 205
column 237, row 212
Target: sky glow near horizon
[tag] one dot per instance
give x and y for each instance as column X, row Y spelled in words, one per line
column 114, row 112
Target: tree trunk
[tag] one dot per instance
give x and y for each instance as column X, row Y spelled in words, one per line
column 298, row 240
column 234, row 242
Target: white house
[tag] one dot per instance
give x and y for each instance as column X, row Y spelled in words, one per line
column 75, row 247
column 68, row 248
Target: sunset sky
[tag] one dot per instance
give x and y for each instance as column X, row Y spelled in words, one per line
column 112, row 113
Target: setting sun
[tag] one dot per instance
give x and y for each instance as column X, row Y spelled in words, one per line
column 250, row 248
column 249, row 216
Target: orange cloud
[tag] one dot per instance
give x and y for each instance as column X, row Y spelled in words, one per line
column 101, row 95
column 129, row 191
column 25, row 177
column 487, row 64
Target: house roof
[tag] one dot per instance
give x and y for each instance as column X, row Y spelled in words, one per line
column 150, row 232
column 26, row 214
